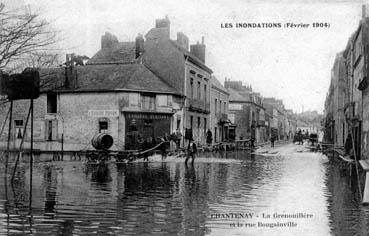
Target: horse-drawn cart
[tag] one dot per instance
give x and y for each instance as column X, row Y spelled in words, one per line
column 102, row 153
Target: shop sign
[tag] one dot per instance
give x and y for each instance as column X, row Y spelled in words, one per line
column 103, row 113
column 148, row 116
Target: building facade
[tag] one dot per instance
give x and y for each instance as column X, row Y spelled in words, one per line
column 219, row 122
column 182, row 66
column 126, row 100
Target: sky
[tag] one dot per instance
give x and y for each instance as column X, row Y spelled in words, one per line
column 292, row 64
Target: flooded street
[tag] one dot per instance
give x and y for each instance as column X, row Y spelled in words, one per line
column 229, row 194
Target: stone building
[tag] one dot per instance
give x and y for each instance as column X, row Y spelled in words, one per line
column 220, row 125
column 151, row 86
column 183, row 67
column 246, row 111
column 117, row 99
column 338, row 80
column 346, row 105
column 274, row 108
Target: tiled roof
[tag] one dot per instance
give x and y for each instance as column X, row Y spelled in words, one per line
column 51, row 78
column 196, row 60
column 111, row 77
column 120, row 76
column 216, row 83
column 105, row 77
column 122, row 52
column 236, row 96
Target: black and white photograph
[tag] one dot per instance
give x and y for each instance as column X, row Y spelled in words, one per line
column 184, row 117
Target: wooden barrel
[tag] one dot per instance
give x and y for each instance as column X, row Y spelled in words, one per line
column 102, row 141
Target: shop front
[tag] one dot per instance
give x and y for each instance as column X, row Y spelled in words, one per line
column 144, row 129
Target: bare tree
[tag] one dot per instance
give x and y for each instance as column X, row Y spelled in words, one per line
column 41, row 59
column 22, row 34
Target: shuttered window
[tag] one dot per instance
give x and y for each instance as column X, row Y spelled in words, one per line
column 51, row 130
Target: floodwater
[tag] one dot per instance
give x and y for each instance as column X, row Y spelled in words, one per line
column 222, row 194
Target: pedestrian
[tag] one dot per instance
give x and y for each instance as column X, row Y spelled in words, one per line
column 191, row 151
column 348, row 145
column 209, row 137
column 252, row 143
column 272, row 141
column 178, row 138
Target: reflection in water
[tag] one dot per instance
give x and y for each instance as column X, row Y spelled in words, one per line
column 348, row 217
column 99, row 173
column 171, row 198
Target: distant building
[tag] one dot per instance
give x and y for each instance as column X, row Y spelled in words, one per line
column 246, row 111
column 221, row 127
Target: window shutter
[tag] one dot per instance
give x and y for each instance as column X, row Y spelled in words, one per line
column 54, row 130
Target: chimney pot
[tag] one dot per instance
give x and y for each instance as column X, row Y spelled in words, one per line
column 364, row 9
column 140, row 45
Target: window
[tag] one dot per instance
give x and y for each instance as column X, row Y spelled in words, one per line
column 199, row 90
column 215, row 134
column 220, row 106
column 215, row 105
column 205, row 97
column 162, row 100
column 148, row 102
column 103, row 126
column 51, row 130
column 133, row 99
column 51, row 103
column 205, row 126
column 191, row 122
column 225, row 107
column 191, row 88
column 18, row 126
column 178, row 123
column 198, row 126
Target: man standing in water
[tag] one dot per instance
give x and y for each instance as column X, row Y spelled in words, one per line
column 191, row 151
column 272, row 141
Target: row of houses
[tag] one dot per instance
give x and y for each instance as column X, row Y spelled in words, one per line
column 346, row 111
column 258, row 117
column 140, row 90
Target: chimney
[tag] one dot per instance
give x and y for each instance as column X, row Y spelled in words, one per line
column 108, row 39
column 160, row 32
column 198, row 50
column 182, row 40
column 162, row 23
column 140, row 45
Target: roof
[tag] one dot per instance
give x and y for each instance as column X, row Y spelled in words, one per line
column 51, row 78
column 191, row 57
column 116, row 77
column 121, row 52
column 236, row 96
column 216, row 84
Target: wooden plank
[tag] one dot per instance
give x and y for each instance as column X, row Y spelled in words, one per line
column 364, row 164
column 346, row 158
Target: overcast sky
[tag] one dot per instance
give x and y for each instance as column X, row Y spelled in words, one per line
column 290, row 64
